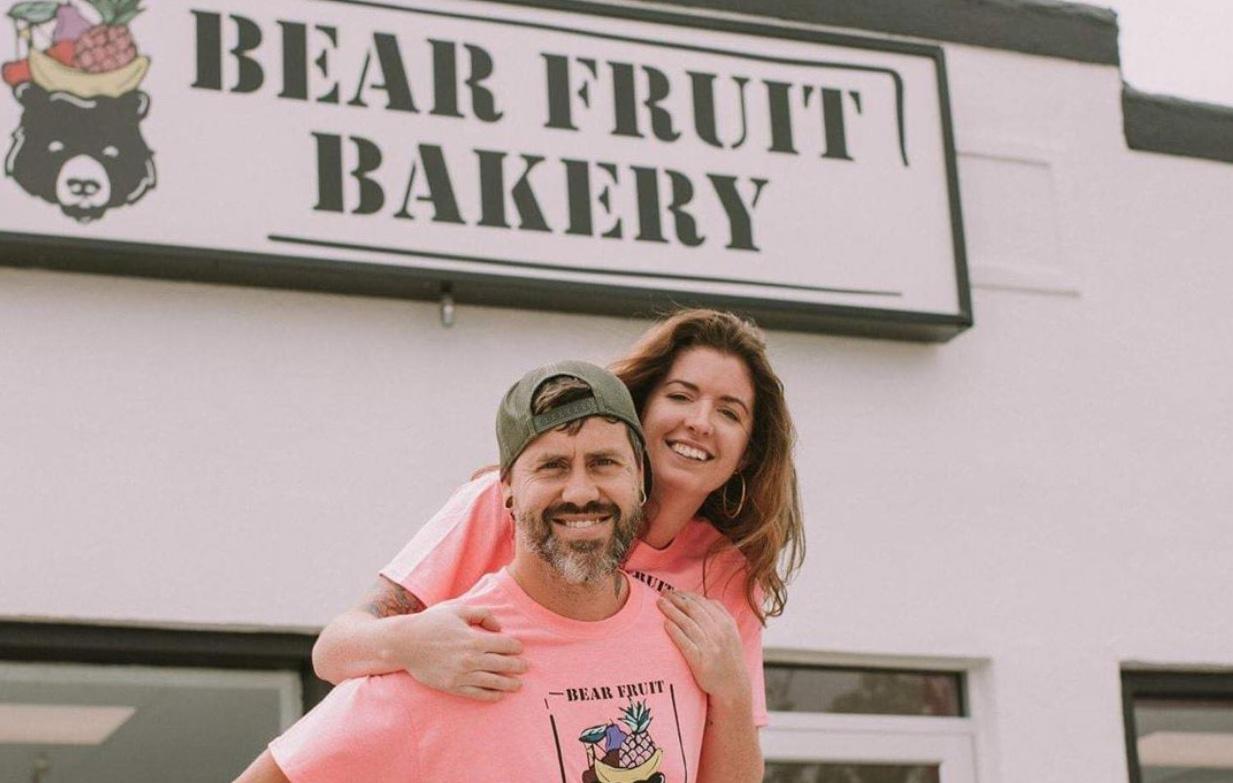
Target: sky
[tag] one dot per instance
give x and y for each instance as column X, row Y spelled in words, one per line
column 1177, row 47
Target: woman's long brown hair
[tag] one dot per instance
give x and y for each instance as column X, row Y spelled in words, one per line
column 768, row 528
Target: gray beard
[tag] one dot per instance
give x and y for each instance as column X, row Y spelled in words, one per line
column 580, row 562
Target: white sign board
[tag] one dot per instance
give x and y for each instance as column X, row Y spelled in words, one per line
column 575, row 154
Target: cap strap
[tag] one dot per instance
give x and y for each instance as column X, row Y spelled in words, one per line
column 557, row 416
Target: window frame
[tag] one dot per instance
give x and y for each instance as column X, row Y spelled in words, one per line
column 952, row 743
column 1165, row 684
column 959, row 674
column 57, row 642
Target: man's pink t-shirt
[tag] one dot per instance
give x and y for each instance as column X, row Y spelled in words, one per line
column 604, row 700
column 473, row 535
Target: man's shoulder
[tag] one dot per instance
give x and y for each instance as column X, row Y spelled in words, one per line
column 481, row 493
column 640, row 590
column 649, row 620
column 491, row 590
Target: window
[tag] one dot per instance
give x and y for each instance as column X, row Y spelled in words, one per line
column 120, row 704
column 102, row 722
column 846, row 724
column 1179, row 726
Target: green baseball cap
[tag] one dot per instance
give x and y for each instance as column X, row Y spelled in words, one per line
column 517, row 426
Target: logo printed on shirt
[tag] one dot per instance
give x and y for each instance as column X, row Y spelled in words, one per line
column 654, row 582
column 628, row 744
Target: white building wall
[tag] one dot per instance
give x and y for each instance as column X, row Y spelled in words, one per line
column 1048, row 493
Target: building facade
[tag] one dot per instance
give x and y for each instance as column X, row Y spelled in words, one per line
column 204, row 460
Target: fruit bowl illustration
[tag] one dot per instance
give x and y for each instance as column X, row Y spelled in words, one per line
column 623, row 754
column 82, row 56
column 644, row 771
column 51, row 75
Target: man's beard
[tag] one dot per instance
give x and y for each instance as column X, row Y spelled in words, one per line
column 580, row 562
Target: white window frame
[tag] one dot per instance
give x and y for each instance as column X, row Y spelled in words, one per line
column 950, row 743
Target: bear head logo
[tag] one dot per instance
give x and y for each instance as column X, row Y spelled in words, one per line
column 85, row 154
column 79, row 144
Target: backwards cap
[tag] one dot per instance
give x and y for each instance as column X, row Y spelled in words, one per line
column 517, row 426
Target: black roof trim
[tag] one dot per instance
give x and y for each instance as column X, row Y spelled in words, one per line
column 1049, row 28
column 1174, row 126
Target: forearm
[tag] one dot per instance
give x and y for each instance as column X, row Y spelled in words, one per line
column 730, row 749
column 361, row 640
column 263, row 770
column 356, row 644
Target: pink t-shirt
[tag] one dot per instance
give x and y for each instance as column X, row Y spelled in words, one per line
column 605, row 700
column 473, row 535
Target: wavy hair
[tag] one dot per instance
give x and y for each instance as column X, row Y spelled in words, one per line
column 768, row 527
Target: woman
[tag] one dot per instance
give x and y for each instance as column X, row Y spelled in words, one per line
column 723, row 529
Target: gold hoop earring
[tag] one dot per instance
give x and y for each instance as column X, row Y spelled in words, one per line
column 740, row 504
column 642, row 495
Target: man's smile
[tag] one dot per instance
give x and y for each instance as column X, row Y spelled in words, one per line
column 581, row 521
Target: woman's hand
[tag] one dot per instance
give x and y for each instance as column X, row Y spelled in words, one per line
column 706, row 635
column 460, row 650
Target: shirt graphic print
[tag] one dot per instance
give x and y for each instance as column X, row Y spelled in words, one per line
column 608, row 701
column 638, row 724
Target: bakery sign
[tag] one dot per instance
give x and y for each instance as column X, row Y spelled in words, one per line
column 573, row 156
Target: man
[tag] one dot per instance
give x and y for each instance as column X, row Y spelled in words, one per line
column 607, row 696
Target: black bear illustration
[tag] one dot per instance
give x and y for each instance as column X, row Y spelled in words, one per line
column 85, row 154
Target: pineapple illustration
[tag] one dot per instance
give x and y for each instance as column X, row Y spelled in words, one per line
column 637, row 747
column 108, row 45
column 623, row 753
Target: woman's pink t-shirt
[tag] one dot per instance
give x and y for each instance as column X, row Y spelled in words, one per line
column 473, row 535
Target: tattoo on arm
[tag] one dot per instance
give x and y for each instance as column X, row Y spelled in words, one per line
column 387, row 599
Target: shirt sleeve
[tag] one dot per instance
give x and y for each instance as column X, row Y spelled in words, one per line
column 360, row 731
column 750, row 628
column 732, row 595
column 470, row 536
